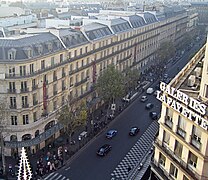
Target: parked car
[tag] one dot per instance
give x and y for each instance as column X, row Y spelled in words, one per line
column 153, row 115
column 144, row 99
column 111, row 133
column 134, row 131
column 103, row 150
column 149, row 106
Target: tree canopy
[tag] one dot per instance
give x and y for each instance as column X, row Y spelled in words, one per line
column 71, row 118
column 166, row 51
column 131, row 78
column 110, row 84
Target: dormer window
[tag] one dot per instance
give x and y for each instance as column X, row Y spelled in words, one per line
column 28, row 51
column 58, row 44
column 40, row 49
column 50, row 46
column 12, row 54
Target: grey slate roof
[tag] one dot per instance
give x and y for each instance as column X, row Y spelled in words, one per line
column 96, row 31
column 21, row 44
column 136, row 21
column 119, row 25
column 150, row 18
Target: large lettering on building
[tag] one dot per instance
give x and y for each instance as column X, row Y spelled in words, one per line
column 182, row 103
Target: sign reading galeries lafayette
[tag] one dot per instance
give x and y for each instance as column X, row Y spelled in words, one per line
column 182, row 103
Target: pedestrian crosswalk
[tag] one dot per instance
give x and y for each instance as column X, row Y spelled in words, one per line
column 55, row 176
column 136, row 154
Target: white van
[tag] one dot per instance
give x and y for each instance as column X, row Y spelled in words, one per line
column 150, row 91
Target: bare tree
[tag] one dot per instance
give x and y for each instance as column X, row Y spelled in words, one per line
column 3, row 125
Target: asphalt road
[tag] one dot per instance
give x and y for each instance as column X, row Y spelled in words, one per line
column 88, row 166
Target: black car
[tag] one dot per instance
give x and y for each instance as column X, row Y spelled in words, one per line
column 103, row 150
column 134, row 131
column 149, row 106
column 153, row 115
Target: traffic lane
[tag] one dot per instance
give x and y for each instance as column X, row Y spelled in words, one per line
column 93, row 167
column 173, row 71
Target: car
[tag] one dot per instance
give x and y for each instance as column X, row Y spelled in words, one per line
column 150, row 91
column 103, row 150
column 153, row 115
column 165, row 76
column 149, row 106
column 144, row 98
column 134, row 131
column 111, row 133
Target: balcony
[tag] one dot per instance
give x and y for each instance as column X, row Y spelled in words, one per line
column 194, row 142
column 181, row 132
column 174, row 158
column 25, row 106
column 13, row 106
column 81, row 82
column 34, row 87
column 11, row 91
column 24, row 90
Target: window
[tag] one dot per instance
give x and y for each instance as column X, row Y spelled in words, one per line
column 166, row 138
column 54, row 105
column 34, row 116
column 52, row 61
column 43, row 64
column 22, row 70
column 11, row 54
column 34, row 99
column 185, row 178
column 173, row 170
column 62, row 100
column 75, row 53
column 69, row 55
column 54, row 89
column 181, row 127
column 31, row 68
column 192, row 160
column 25, row 119
column 33, row 83
column 24, row 101
column 77, row 78
column 13, row 103
column 178, row 149
column 206, row 91
column 14, row 120
column 61, row 57
column 80, row 51
column 162, row 160
column 71, row 81
column 12, row 71
column 12, row 87
column 63, row 85
column 196, row 134
column 24, row 86
column 77, row 65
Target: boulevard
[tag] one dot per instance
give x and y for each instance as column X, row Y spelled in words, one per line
column 87, row 165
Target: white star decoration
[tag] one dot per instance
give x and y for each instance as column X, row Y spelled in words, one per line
column 25, row 172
